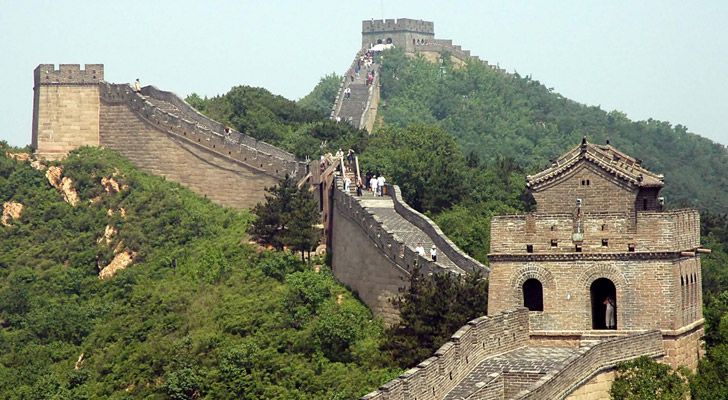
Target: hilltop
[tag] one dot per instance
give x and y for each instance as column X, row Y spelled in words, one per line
column 197, row 312
column 496, row 116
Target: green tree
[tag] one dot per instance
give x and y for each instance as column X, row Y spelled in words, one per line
column 273, row 216
column 302, row 234
column 646, row 379
column 321, row 98
column 431, row 310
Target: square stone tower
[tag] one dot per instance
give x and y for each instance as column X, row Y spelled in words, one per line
column 404, row 33
column 601, row 234
column 66, row 108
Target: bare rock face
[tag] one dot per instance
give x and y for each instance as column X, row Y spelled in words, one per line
column 120, row 262
column 109, row 233
column 18, row 156
column 11, row 210
column 64, row 184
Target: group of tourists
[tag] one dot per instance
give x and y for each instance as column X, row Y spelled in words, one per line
column 375, row 183
column 420, row 250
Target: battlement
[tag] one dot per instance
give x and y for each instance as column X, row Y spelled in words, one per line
column 68, row 74
column 398, row 25
column 596, row 233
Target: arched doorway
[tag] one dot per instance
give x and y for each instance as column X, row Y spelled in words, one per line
column 600, row 290
column 533, row 295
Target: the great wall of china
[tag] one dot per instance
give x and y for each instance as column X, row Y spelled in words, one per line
column 372, row 239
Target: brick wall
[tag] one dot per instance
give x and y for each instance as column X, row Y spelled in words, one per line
column 600, row 357
column 479, row 339
column 602, row 192
column 647, row 291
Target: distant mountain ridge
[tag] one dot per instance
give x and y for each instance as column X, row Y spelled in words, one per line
column 497, row 115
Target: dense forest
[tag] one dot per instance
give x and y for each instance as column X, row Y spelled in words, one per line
column 199, row 314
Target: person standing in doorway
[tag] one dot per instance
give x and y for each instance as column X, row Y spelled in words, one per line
column 609, row 313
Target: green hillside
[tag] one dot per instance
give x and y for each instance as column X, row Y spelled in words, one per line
column 199, row 314
column 499, row 115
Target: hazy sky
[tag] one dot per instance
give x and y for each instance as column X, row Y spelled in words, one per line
column 662, row 59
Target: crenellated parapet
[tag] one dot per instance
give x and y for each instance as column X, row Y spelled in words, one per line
column 387, row 242
column 396, row 25
column 187, row 124
column 68, row 74
column 600, row 357
column 443, row 243
column 475, row 342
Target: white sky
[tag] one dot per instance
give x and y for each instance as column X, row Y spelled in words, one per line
column 658, row 59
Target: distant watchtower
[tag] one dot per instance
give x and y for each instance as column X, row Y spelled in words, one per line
column 66, row 108
column 601, row 231
column 404, row 33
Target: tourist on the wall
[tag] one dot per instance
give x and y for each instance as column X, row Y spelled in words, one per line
column 420, row 250
column 433, row 253
column 609, row 313
column 373, row 184
column 359, row 186
column 137, row 86
column 380, row 185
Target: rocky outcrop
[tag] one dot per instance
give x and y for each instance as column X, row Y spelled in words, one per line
column 120, row 262
column 63, row 184
column 11, row 210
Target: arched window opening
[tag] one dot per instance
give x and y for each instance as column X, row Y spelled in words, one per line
column 533, row 295
column 604, row 304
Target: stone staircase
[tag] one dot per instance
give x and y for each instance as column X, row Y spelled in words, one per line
column 352, row 109
column 393, row 222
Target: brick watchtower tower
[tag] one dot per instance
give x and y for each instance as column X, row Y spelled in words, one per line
column 403, row 32
column 66, row 108
column 601, row 230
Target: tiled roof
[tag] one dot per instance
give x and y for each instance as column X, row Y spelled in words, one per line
column 607, row 158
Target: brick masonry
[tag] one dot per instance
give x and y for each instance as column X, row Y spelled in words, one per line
column 155, row 130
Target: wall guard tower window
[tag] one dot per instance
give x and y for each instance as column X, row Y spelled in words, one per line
column 630, row 247
column 602, row 292
column 554, row 243
column 577, row 248
column 605, row 242
column 529, row 248
column 533, row 295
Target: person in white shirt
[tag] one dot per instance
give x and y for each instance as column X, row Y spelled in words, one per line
column 373, row 184
column 380, row 184
column 137, row 86
column 347, row 184
column 420, row 250
column 433, row 253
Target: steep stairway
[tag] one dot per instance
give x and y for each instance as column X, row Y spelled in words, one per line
column 352, row 109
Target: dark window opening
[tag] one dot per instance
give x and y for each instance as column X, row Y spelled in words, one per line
column 587, row 182
column 604, row 227
column 630, row 247
column 605, row 242
column 554, row 242
column 553, row 227
column 577, row 248
column 603, row 293
column 529, row 248
column 644, row 204
column 533, row 295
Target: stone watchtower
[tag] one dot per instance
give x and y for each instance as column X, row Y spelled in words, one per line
column 66, row 106
column 600, row 230
column 404, row 32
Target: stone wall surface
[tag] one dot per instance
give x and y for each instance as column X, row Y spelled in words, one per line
column 479, row 339
column 600, row 357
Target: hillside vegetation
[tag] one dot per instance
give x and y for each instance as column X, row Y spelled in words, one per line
column 497, row 115
column 198, row 314
column 303, row 129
